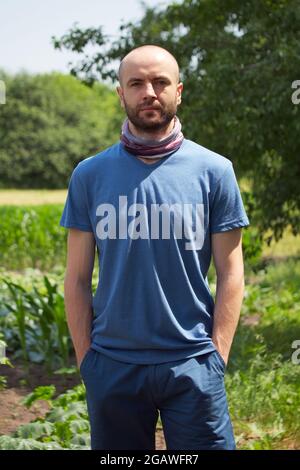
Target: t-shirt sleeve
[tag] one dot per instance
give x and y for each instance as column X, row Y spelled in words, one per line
column 75, row 213
column 227, row 210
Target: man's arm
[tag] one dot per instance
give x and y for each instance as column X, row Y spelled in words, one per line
column 78, row 289
column 229, row 264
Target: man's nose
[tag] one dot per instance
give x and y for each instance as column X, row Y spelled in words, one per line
column 149, row 90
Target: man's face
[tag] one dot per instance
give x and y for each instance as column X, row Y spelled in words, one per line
column 150, row 92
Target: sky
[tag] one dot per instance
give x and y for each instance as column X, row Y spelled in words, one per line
column 26, row 27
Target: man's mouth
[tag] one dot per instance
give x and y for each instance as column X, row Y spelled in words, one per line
column 149, row 109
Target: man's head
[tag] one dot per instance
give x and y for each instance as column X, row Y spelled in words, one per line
column 149, row 78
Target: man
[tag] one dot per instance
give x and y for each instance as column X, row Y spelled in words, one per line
column 157, row 206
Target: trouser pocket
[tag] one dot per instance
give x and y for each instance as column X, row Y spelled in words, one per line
column 83, row 362
column 221, row 360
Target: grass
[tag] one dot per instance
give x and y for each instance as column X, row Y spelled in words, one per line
column 262, row 380
column 32, row 197
column 288, row 245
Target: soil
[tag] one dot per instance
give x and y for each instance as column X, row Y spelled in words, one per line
column 21, row 382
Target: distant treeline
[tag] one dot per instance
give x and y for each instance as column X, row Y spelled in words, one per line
column 49, row 123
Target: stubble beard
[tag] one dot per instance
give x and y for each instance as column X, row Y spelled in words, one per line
column 149, row 123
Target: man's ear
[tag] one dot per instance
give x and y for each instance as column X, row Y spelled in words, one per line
column 179, row 91
column 120, row 93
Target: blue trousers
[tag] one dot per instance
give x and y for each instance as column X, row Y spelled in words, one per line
column 124, row 401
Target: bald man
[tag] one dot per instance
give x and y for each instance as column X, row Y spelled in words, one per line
column 150, row 116
column 158, row 207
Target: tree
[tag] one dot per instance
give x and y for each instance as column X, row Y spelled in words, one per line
column 238, row 61
column 49, row 123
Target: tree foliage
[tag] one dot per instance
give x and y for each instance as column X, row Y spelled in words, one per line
column 238, row 61
column 49, row 123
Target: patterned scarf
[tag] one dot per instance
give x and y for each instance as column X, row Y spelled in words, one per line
column 150, row 148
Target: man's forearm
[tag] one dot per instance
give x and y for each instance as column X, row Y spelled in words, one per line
column 228, row 302
column 78, row 304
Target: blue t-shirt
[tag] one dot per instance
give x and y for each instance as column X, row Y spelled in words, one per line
column 152, row 225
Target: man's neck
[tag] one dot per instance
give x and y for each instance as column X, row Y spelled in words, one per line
column 155, row 135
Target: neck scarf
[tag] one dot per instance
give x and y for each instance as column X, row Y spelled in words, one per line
column 151, row 148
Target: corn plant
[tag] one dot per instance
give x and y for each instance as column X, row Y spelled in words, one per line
column 18, row 307
column 40, row 323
